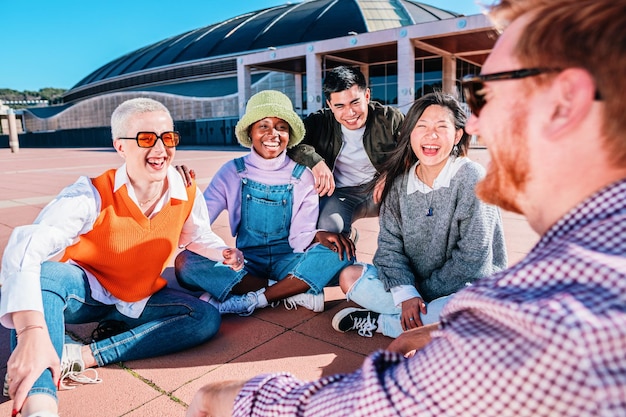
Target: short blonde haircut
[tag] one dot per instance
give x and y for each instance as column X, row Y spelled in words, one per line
column 129, row 108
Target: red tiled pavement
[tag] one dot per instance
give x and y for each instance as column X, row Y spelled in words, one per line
column 297, row 341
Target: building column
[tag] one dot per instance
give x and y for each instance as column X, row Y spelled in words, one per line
column 406, row 71
column 449, row 75
column 244, row 82
column 297, row 104
column 314, row 93
column 365, row 69
column 14, row 142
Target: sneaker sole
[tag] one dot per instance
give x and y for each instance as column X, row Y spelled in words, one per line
column 342, row 314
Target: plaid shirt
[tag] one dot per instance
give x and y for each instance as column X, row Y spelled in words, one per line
column 546, row 337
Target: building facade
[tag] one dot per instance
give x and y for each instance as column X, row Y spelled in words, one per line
column 205, row 76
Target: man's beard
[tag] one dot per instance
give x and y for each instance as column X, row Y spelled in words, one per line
column 508, row 170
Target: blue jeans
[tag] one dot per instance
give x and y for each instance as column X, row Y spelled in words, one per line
column 171, row 321
column 318, row 267
column 345, row 206
column 369, row 292
column 263, row 237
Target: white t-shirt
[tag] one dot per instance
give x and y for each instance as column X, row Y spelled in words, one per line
column 353, row 166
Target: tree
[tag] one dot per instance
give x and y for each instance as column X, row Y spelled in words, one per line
column 53, row 95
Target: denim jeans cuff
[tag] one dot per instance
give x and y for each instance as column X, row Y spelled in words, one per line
column 45, row 391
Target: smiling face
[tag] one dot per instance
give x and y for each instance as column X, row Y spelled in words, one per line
column 350, row 106
column 146, row 165
column 269, row 136
column 433, row 137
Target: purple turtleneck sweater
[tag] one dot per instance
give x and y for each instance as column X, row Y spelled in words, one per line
column 224, row 193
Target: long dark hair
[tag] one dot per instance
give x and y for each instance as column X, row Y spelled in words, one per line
column 402, row 158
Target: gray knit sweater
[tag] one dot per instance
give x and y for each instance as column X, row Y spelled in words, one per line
column 462, row 241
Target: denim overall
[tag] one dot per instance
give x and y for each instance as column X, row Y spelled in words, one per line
column 263, row 237
column 263, row 234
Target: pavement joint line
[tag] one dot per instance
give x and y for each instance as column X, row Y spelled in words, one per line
column 65, row 168
column 133, row 373
column 27, row 201
column 154, row 386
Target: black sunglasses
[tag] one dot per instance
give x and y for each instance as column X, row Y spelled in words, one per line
column 474, row 85
column 149, row 139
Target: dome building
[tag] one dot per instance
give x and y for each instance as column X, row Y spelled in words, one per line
column 204, row 76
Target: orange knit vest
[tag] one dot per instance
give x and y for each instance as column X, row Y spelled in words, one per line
column 126, row 251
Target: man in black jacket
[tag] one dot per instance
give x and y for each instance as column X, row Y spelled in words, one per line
column 344, row 147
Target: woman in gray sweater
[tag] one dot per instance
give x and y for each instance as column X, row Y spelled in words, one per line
column 435, row 236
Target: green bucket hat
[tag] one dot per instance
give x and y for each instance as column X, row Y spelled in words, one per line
column 269, row 103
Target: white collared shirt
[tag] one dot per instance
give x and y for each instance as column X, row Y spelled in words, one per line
column 72, row 213
column 452, row 166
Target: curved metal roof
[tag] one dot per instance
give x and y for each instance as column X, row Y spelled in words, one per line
column 289, row 24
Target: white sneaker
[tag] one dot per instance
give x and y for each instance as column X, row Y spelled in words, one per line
column 73, row 367
column 313, row 302
column 243, row 305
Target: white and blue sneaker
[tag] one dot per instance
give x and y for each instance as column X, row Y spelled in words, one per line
column 244, row 305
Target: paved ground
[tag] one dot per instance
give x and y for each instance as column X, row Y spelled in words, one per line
column 273, row 339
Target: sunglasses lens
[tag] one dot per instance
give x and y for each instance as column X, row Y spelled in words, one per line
column 170, row 139
column 474, row 95
column 146, row 139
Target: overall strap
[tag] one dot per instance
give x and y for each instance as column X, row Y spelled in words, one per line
column 241, row 169
column 240, row 164
column 297, row 171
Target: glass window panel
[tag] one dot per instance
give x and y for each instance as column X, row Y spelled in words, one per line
column 428, row 76
column 392, row 93
column 377, row 93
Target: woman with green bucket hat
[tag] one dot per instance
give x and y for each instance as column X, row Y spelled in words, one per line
column 273, row 208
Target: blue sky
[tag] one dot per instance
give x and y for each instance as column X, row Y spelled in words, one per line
column 56, row 43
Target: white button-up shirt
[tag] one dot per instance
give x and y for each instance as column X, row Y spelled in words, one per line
column 73, row 213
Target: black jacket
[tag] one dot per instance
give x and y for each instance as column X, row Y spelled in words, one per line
column 323, row 139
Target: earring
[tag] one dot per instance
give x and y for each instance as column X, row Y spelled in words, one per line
column 455, row 150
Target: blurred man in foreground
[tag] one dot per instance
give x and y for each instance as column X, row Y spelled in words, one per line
column 546, row 337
